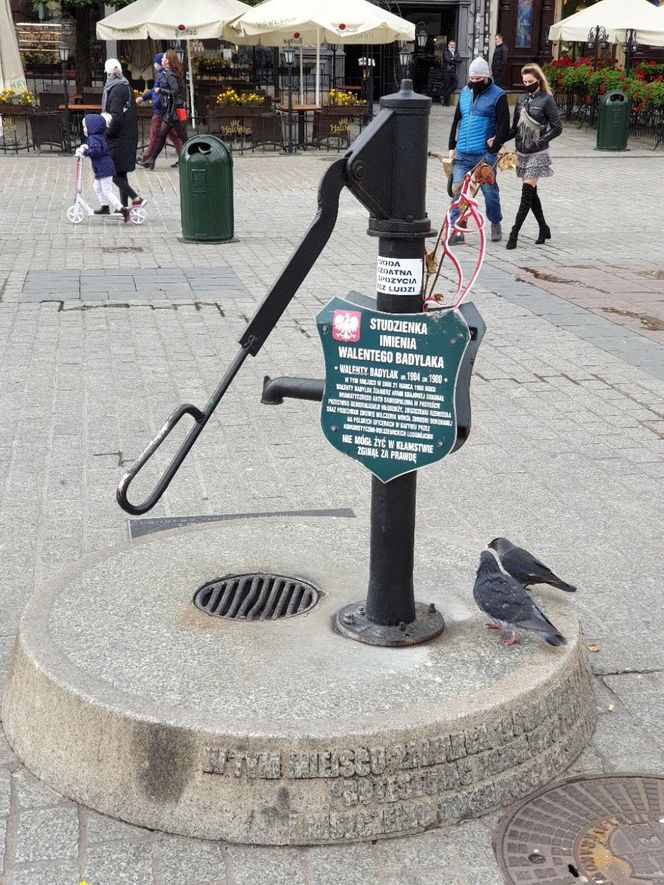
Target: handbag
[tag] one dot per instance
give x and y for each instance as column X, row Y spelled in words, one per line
column 181, row 114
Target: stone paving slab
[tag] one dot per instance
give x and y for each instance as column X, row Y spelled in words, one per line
column 124, row 284
column 629, row 296
column 565, row 453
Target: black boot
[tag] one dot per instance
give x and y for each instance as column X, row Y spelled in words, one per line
column 527, row 192
column 103, row 210
column 544, row 229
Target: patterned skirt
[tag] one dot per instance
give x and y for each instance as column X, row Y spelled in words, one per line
column 534, row 165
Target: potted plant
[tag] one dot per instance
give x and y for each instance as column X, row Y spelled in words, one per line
column 230, row 103
column 211, row 67
column 16, row 103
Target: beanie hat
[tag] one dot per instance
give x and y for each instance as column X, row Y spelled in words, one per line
column 479, row 68
column 157, row 59
column 111, row 65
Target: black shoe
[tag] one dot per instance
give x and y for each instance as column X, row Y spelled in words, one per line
column 125, row 213
column 512, row 241
column 103, row 210
column 544, row 234
column 175, row 165
column 146, row 164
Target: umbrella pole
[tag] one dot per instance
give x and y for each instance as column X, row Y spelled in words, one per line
column 317, row 65
column 191, row 85
column 301, row 77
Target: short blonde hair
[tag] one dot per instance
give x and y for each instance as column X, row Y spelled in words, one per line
column 537, row 72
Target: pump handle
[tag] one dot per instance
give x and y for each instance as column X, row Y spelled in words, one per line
column 264, row 320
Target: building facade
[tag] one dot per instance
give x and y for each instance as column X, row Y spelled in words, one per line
column 467, row 22
column 525, row 25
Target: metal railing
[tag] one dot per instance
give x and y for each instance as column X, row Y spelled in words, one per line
column 27, row 129
column 646, row 123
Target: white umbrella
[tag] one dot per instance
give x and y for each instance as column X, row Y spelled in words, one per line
column 11, row 69
column 617, row 17
column 171, row 20
column 309, row 22
column 656, row 37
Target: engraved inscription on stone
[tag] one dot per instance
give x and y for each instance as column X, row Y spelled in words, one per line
column 309, row 793
column 407, row 787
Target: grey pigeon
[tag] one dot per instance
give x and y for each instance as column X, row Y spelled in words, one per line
column 525, row 568
column 508, row 605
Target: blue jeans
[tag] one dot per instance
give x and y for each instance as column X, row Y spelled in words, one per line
column 464, row 163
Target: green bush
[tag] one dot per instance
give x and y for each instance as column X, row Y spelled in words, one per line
column 577, row 78
column 605, row 80
column 655, row 94
column 644, row 84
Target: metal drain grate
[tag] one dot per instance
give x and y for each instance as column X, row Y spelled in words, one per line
column 600, row 829
column 255, row 597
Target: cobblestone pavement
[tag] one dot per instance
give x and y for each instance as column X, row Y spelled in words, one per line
column 104, row 327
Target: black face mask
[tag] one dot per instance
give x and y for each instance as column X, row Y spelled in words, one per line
column 532, row 87
column 478, row 87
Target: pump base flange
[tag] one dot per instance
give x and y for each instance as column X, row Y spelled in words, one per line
column 352, row 622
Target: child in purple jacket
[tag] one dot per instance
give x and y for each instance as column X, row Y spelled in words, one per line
column 94, row 127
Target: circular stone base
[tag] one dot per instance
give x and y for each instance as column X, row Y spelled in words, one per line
column 125, row 697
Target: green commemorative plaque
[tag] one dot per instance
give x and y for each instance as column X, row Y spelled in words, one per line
column 390, row 381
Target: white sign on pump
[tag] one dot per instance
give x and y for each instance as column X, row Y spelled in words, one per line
column 399, row 276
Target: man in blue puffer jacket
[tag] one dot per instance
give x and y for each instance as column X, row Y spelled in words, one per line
column 96, row 149
column 482, row 119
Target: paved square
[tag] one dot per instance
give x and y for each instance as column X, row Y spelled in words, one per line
column 105, row 328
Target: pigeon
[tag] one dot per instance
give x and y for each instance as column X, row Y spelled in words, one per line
column 525, row 568
column 508, row 605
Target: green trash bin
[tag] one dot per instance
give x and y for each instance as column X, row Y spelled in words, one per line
column 613, row 121
column 206, row 190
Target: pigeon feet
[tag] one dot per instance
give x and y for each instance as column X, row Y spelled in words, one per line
column 512, row 640
column 491, row 625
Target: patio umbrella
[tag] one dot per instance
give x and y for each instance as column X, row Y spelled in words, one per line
column 655, row 38
column 171, row 20
column 617, row 17
column 310, row 22
column 11, row 68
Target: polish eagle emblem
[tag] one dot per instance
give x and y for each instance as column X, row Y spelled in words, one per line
column 346, row 325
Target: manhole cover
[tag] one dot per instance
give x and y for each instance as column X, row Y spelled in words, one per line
column 600, row 829
column 255, row 597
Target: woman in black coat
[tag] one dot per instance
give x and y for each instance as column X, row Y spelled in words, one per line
column 119, row 109
column 536, row 123
column 172, row 101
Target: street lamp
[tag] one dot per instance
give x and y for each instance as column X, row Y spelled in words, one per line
column 289, row 58
column 367, row 63
column 405, row 56
column 421, row 35
column 63, row 51
column 597, row 37
column 179, row 51
column 630, row 46
column 335, row 48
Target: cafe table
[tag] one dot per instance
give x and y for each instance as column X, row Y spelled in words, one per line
column 302, row 110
